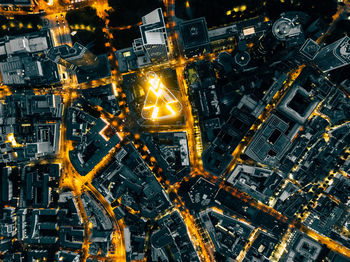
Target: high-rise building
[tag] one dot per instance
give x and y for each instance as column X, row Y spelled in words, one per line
column 79, row 59
column 151, row 48
column 288, row 29
column 334, row 55
column 154, row 36
column 74, row 57
column 285, row 28
column 194, row 34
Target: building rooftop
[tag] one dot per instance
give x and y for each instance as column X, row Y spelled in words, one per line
column 262, row 248
column 102, row 69
column 27, row 135
column 297, row 104
column 104, row 97
column 218, row 155
column 16, row 2
column 229, row 235
column 173, row 236
column 334, row 55
column 151, row 27
column 94, row 142
column 194, row 35
column 20, row 61
column 171, row 152
column 272, row 141
column 302, row 247
column 258, row 182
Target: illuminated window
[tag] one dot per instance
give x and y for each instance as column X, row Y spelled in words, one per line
column 248, row 31
column 127, row 54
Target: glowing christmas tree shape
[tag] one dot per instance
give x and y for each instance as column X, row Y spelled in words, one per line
column 160, row 103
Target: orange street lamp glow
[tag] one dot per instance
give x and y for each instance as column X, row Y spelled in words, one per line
column 114, row 87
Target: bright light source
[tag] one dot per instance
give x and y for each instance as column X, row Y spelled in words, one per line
column 114, row 87
column 158, row 100
column 12, row 140
column 155, row 112
column 242, row 8
column 157, row 93
column 127, row 54
column 249, row 31
column 171, row 109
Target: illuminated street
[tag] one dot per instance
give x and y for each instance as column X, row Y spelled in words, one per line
column 176, row 136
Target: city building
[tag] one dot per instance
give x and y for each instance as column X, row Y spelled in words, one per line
column 258, row 182
column 22, row 62
column 172, row 240
column 336, row 257
column 151, row 48
column 202, row 193
column 71, row 230
column 339, row 188
column 41, row 227
column 6, row 185
column 262, row 248
column 229, row 235
column 30, row 126
column 100, row 242
column 346, row 85
column 302, row 247
column 154, row 36
column 171, row 152
column 94, row 138
column 326, row 216
column 7, row 222
column 248, row 29
column 135, row 237
column 67, row 256
column 309, row 49
column 194, row 35
column 16, row 3
column 334, row 55
column 102, row 225
column 297, row 104
column 202, row 84
column 272, row 141
column 217, row 156
column 288, row 28
column 77, row 56
column 35, row 183
column 81, row 60
column 132, row 179
column 104, row 97
column 93, row 208
column 35, row 211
